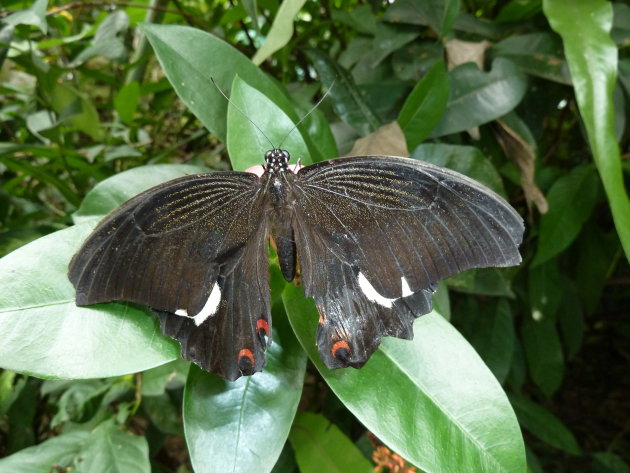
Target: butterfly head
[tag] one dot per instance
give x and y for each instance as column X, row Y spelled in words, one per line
column 277, row 161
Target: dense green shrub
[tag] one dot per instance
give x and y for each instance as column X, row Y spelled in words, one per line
column 102, row 100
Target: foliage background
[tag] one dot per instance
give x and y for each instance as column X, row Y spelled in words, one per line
column 85, row 97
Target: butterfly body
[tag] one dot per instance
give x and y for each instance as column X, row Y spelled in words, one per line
column 372, row 235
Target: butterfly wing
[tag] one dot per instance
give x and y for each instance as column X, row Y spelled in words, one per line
column 390, row 229
column 194, row 249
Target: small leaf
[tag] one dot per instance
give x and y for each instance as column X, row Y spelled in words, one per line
column 424, row 106
column 544, row 353
column 126, row 101
column 571, row 201
column 438, row 14
column 544, row 425
column 110, row 449
column 539, row 54
column 319, row 446
column 58, row 451
column 388, row 39
column 346, row 98
column 477, row 97
column 34, row 16
column 281, row 30
column 388, row 140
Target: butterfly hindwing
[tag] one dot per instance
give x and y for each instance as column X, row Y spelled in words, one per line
column 391, row 228
column 193, row 249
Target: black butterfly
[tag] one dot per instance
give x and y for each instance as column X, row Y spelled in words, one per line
column 373, row 235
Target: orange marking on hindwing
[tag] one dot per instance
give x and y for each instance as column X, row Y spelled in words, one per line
column 261, row 324
column 246, row 353
column 341, row 344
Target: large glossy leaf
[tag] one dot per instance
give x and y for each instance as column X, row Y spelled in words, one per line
column 319, row 446
column 281, row 30
column 424, row 397
column 571, row 201
column 44, row 333
column 592, row 56
column 241, row 426
column 191, row 58
column 477, row 97
column 246, row 143
column 424, row 106
column 347, row 99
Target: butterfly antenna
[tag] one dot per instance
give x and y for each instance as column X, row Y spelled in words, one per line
column 309, row 112
column 242, row 112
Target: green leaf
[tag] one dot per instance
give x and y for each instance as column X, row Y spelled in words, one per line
column 126, row 101
column 242, row 426
column 191, row 57
column 435, row 384
column 361, row 18
column 63, row 98
column 170, row 375
column 346, row 98
column 519, row 10
column 539, row 54
column 245, row 142
column 608, row 462
column 424, row 106
column 438, row 14
column 413, row 62
column 111, row 450
column 467, row 160
column 486, row 281
column 58, row 451
column 281, row 30
column 319, row 446
column 544, row 296
column 494, row 337
column 592, row 56
column 544, row 425
column 389, row 39
column 571, row 201
column 544, row 353
column 110, row 193
column 34, row 16
column 477, row 97
column 45, row 333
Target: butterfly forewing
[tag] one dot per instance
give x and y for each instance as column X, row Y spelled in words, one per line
column 195, row 248
column 390, row 228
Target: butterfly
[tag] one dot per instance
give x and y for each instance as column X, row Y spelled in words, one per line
column 371, row 235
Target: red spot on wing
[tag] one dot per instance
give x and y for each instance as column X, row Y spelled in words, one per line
column 261, row 324
column 245, row 353
column 340, row 345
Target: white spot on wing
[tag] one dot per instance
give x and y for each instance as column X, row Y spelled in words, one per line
column 209, row 308
column 406, row 290
column 371, row 293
